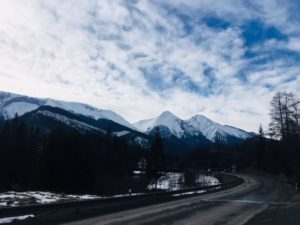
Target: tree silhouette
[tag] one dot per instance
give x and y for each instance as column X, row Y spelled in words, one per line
column 156, row 163
column 260, row 151
column 284, row 116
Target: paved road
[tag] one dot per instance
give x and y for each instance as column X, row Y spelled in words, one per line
column 234, row 206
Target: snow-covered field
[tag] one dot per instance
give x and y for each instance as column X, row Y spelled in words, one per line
column 13, row 198
column 175, row 181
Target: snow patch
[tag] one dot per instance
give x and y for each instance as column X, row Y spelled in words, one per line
column 19, row 108
column 12, row 219
column 204, row 180
column 169, row 181
column 126, row 195
column 175, row 181
column 13, row 198
column 121, row 133
column 190, row 193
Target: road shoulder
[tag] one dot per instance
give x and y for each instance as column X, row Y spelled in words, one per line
column 286, row 210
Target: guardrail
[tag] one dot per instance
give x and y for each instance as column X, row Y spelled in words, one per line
column 54, row 212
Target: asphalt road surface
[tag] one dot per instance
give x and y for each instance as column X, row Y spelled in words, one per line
column 233, row 206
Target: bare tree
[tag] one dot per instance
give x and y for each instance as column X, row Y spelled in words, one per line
column 295, row 115
column 284, row 115
column 276, row 126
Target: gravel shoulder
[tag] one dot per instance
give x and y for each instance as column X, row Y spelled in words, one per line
column 287, row 212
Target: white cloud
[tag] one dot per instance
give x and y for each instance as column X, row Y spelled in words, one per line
column 294, row 44
column 93, row 52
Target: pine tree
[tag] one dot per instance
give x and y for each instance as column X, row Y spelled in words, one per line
column 260, row 147
column 156, row 163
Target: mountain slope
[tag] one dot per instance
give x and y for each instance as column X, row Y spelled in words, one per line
column 48, row 118
column 12, row 104
column 213, row 131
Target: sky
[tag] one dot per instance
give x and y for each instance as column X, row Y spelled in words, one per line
column 222, row 59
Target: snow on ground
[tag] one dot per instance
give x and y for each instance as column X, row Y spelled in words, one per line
column 124, row 195
column 190, row 193
column 13, row 198
column 175, row 181
column 169, row 181
column 206, row 180
column 12, row 219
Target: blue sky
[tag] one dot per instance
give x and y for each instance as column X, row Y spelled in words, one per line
column 223, row 59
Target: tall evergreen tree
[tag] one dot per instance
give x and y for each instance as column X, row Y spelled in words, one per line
column 156, row 163
column 261, row 144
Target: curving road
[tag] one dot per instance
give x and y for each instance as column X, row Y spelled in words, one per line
column 234, row 206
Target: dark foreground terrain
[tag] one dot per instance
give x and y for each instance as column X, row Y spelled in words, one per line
column 257, row 201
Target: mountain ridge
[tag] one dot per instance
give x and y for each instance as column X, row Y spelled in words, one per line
column 196, row 130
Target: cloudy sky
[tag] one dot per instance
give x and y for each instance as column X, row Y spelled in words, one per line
column 223, row 59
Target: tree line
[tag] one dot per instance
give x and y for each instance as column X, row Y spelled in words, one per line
column 61, row 161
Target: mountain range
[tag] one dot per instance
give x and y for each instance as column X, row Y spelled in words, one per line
column 49, row 113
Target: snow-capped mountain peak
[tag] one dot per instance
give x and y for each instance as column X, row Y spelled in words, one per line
column 167, row 119
column 171, row 121
column 207, row 127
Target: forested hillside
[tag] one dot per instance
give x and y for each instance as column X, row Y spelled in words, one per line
column 64, row 161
